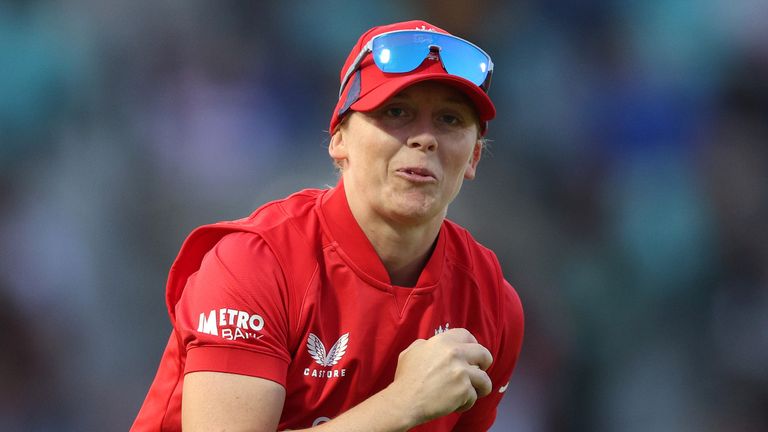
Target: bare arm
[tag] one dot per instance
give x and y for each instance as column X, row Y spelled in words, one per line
column 434, row 377
column 221, row 401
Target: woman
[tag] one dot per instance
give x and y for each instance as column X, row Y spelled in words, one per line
column 360, row 307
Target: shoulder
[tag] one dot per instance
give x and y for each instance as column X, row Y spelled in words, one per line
column 464, row 250
column 240, row 250
column 269, row 239
column 239, row 266
column 286, row 228
column 461, row 246
column 275, row 213
column 285, row 233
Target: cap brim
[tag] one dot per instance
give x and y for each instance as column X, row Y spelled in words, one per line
column 392, row 86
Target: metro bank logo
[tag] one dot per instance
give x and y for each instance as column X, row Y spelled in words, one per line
column 230, row 324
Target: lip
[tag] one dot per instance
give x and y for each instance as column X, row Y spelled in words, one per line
column 417, row 174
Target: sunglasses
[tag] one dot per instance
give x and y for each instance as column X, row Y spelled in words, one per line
column 403, row 51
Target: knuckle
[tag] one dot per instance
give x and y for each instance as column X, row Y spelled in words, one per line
column 469, row 335
column 488, row 361
column 463, row 331
column 456, row 374
column 454, row 352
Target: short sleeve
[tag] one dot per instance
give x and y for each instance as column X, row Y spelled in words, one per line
column 483, row 413
column 232, row 314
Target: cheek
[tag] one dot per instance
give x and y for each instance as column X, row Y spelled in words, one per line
column 368, row 160
column 460, row 159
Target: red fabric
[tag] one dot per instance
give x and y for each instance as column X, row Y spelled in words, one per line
column 305, row 268
column 162, row 407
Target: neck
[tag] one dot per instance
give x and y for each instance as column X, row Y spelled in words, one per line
column 404, row 248
column 404, row 253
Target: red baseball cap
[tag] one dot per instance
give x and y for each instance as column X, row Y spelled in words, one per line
column 374, row 87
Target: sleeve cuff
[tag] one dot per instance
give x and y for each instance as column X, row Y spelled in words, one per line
column 236, row 361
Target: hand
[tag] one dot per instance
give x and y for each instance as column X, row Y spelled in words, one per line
column 441, row 375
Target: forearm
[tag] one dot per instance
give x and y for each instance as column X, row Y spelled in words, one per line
column 382, row 412
column 434, row 378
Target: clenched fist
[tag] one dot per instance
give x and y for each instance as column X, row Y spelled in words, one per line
column 441, row 375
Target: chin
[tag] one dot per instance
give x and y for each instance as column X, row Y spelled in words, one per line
column 417, row 210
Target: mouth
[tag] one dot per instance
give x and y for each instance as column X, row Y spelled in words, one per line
column 417, row 174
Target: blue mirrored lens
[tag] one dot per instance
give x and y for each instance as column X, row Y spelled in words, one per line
column 464, row 60
column 404, row 51
column 400, row 52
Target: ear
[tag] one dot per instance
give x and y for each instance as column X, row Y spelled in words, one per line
column 474, row 159
column 337, row 149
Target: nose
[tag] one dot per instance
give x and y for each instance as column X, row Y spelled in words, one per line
column 422, row 138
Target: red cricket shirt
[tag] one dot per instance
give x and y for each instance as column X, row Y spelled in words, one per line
column 296, row 294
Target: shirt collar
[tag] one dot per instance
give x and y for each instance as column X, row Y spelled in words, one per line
column 345, row 233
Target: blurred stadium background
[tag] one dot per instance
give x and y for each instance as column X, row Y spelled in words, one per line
column 626, row 191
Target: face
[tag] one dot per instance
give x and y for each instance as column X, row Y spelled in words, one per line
column 406, row 160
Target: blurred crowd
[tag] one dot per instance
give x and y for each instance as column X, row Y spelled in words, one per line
column 625, row 191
